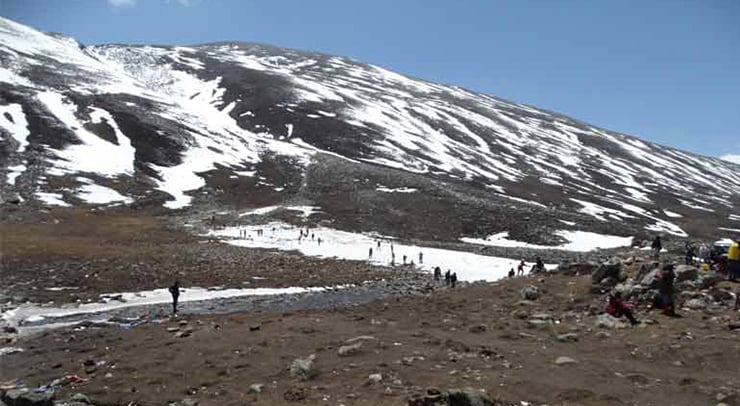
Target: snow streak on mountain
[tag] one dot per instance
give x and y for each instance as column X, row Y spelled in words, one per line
column 240, row 125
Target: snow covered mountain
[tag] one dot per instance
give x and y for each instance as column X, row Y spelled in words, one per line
column 226, row 127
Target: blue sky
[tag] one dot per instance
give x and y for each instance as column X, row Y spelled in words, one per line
column 665, row 70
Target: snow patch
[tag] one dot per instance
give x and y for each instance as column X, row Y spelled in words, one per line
column 579, row 241
column 355, row 246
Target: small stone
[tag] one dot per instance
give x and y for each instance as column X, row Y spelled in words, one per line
column 530, row 292
column 602, row 335
column 567, row 337
column 351, row 349
column 80, row 398
column 301, row 368
column 375, row 378
column 479, row 328
column 173, row 329
column 562, row 360
column 255, row 327
column 255, row 388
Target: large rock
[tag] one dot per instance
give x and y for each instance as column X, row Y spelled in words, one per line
column 17, row 397
column 650, row 280
column 577, row 268
column 302, row 368
column 608, row 321
column 350, row 349
column 696, row 304
column 686, row 273
column 611, row 269
column 530, row 292
column 468, row 397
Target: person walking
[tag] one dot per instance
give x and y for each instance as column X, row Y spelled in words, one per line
column 520, row 269
column 175, row 292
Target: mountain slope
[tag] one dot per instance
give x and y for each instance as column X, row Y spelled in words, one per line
column 229, row 126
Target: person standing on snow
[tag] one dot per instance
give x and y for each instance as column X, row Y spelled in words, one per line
column 520, row 269
column 175, row 292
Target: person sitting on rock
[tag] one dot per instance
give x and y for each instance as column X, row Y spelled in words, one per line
column 618, row 308
column 511, row 273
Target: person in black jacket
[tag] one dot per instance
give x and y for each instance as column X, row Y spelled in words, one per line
column 666, row 291
column 175, row 292
column 657, row 246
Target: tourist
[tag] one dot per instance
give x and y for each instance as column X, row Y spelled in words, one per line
column 618, row 308
column 656, row 246
column 666, row 290
column 520, row 269
column 733, row 259
column 175, row 292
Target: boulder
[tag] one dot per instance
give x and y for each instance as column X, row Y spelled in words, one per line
column 577, row 268
column 707, row 281
column 722, row 295
column 468, row 397
column 530, row 292
column 696, row 304
column 611, row 269
column 375, row 378
column 255, row 388
column 350, row 349
column 608, row 321
column 650, row 280
column 686, row 273
column 18, row 397
column 301, row 368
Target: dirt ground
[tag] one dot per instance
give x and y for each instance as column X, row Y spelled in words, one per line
column 104, row 252
column 481, row 336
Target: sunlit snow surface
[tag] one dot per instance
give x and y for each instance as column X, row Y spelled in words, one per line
column 577, row 241
column 406, row 123
column 356, row 246
column 34, row 313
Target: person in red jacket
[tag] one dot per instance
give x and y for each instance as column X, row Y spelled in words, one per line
column 618, row 308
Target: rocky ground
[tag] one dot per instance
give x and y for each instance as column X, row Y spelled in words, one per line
column 555, row 349
column 540, row 339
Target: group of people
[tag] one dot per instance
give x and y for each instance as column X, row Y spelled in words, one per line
column 450, row 277
column 538, row 266
column 377, row 247
column 664, row 299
